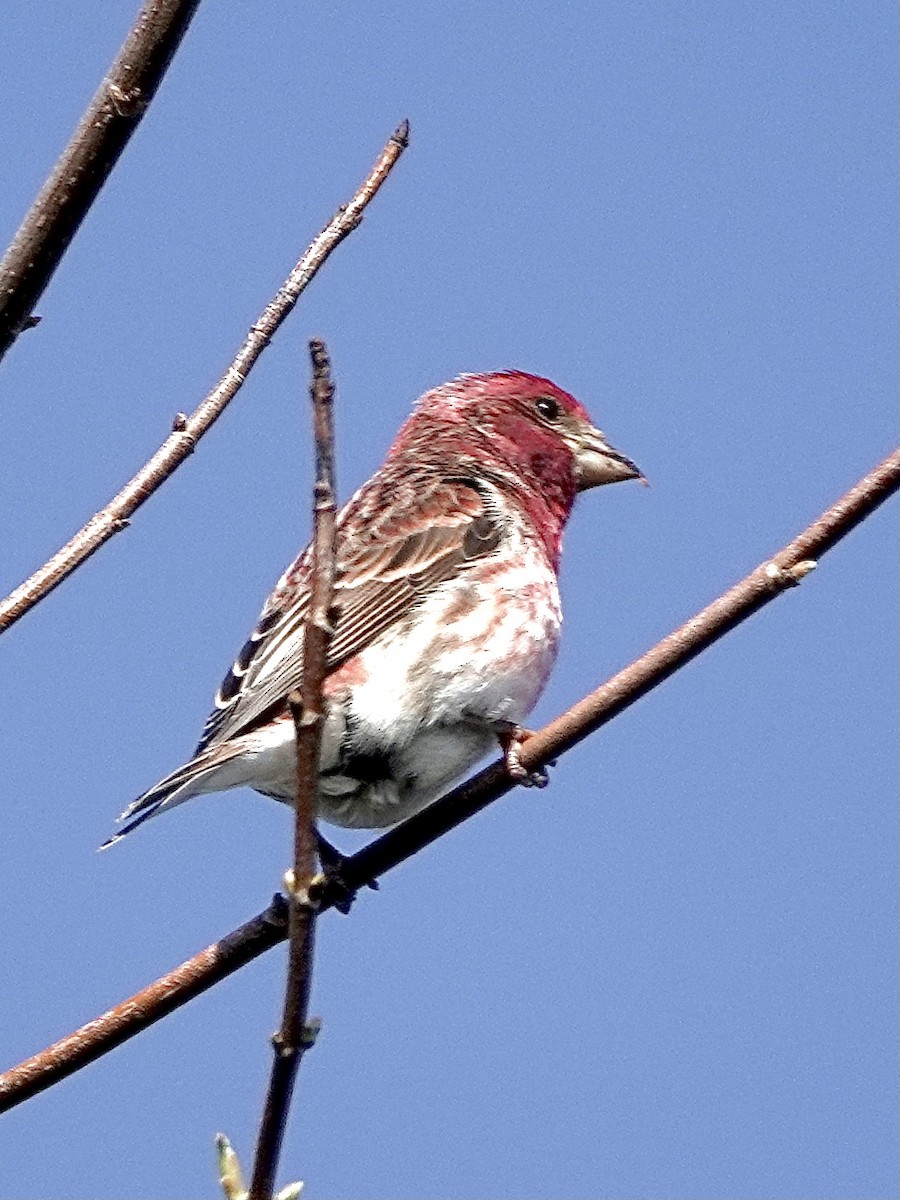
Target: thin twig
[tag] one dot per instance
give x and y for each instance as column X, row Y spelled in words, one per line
column 784, row 570
column 84, row 166
column 295, row 1035
column 187, row 431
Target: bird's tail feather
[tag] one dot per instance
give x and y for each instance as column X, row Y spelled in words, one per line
column 174, row 789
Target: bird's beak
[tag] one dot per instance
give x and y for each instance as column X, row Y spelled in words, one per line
column 597, row 462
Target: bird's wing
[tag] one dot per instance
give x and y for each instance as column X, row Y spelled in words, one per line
column 392, row 550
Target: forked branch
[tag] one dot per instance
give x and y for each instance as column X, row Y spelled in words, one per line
column 780, row 573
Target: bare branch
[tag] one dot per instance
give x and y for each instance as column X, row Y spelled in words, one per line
column 118, row 1024
column 295, row 1035
column 84, row 166
column 785, row 570
column 187, row 431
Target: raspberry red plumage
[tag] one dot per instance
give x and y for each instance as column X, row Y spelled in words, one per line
column 449, row 610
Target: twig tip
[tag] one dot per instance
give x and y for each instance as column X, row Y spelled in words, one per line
column 311, row 1030
column 230, row 1174
column 784, row 577
column 401, row 133
column 801, row 569
column 290, row 1191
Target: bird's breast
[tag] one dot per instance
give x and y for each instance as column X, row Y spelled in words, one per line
column 480, row 646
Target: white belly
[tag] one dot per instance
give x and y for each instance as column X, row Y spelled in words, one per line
column 478, row 653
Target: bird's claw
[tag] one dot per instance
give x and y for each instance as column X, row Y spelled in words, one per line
column 512, row 738
column 334, row 890
column 525, row 778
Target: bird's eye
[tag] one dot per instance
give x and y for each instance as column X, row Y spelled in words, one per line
column 547, row 407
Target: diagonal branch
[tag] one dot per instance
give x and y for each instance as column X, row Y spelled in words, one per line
column 786, row 569
column 295, row 1035
column 162, row 997
column 188, row 430
column 84, row 166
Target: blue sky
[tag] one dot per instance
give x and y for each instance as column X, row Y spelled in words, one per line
column 673, row 974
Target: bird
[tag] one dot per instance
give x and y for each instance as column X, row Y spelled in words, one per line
column 448, row 612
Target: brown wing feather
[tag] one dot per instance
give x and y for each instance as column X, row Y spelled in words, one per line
column 392, row 561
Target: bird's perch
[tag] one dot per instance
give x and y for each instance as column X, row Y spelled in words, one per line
column 296, row 1035
column 187, row 430
column 86, row 163
column 778, row 574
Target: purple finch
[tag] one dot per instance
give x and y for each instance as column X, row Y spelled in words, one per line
column 449, row 613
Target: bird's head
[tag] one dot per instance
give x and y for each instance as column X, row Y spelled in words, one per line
column 528, row 425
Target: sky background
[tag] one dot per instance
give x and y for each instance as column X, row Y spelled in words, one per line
column 671, row 975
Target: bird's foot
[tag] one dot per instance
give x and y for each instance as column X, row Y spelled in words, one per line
column 511, row 738
column 333, row 888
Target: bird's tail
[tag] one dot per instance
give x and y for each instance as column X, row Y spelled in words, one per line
column 181, row 785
